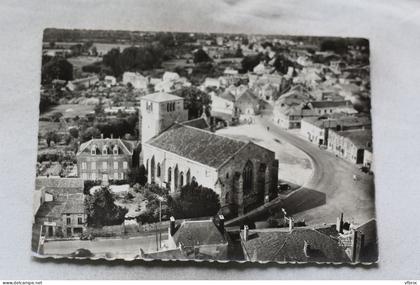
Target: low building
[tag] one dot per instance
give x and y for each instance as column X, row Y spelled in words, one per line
column 316, row 129
column 137, row 80
column 330, row 107
column 350, row 145
column 63, row 215
column 248, row 104
column 105, row 159
column 211, row 82
column 223, row 106
column 82, row 83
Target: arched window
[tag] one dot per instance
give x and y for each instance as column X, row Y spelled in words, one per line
column 158, row 170
column 104, row 150
column 176, row 175
column 152, row 169
column 188, row 177
column 247, row 177
column 115, row 150
column 93, row 150
column 181, row 179
column 169, row 175
column 194, row 181
column 147, row 166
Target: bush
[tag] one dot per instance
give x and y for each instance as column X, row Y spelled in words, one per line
column 194, row 201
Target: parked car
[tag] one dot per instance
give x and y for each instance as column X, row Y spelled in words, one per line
column 282, row 186
column 366, row 169
column 82, row 252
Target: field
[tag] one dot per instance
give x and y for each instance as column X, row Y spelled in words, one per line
column 70, row 110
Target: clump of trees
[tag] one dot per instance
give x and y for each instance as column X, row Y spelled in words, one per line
column 194, row 201
column 56, row 68
column 195, row 101
column 101, row 209
column 201, row 56
column 137, row 175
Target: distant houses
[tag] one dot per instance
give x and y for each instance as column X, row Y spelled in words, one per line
column 82, row 83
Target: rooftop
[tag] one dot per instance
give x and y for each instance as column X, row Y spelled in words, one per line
column 53, row 182
column 124, row 146
column 198, row 145
column 196, row 233
column 330, row 104
column 279, row 244
column 360, row 138
column 199, row 123
column 161, row 97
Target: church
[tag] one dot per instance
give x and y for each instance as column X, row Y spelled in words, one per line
column 177, row 151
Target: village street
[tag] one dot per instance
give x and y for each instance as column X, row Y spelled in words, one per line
column 329, row 190
column 127, row 247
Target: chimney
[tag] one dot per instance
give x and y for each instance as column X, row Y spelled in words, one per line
column 246, row 232
column 112, row 135
column 172, row 226
column 222, row 223
column 102, row 136
column 339, row 224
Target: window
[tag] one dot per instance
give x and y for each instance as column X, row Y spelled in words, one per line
column 115, row 164
column 93, row 150
column 149, row 106
column 104, row 165
column 158, row 170
column 121, row 175
column 115, row 150
column 68, row 221
column 84, row 176
column 80, row 221
column 104, row 150
column 93, row 165
column 247, row 177
column 115, row 175
column 84, row 165
column 227, row 175
column 93, row 176
column 125, row 164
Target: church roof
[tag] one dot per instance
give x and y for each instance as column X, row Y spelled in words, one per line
column 198, row 145
column 161, row 97
column 199, row 123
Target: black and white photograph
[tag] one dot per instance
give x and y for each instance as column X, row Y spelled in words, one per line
column 204, row 146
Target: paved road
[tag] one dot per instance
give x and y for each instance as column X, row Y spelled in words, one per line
column 123, row 247
column 331, row 190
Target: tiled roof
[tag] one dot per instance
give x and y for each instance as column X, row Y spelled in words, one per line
column 196, row 233
column 124, row 146
column 227, row 95
column 59, row 183
column 282, row 245
column 198, row 145
column 199, row 123
column 74, row 205
column 161, row 97
column 331, row 104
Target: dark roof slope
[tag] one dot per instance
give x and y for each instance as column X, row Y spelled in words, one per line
column 124, row 146
column 360, row 138
column 195, row 233
column 197, row 145
column 199, row 123
column 330, row 104
column 282, row 245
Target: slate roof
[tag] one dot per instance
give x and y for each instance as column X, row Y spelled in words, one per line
column 198, row 145
column 124, row 146
column 199, row 123
column 59, row 183
column 227, row 95
column 196, row 233
column 74, row 205
column 282, row 245
column 161, row 97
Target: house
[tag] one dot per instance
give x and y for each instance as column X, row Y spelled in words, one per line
column 62, row 212
column 82, row 83
column 170, row 76
column 211, row 82
column 248, row 104
column 176, row 153
column 329, row 107
column 199, row 239
column 351, row 144
column 223, row 106
column 105, row 159
column 268, row 93
column 137, row 80
column 316, row 129
column 110, row 81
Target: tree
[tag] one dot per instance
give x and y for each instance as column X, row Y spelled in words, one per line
column 201, row 56
column 137, row 175
column 74, row 132
column 249, row 62
column 56, row 68
column 101, row 209
column 51, row 136
column 337, row 45
column 56, row 116
column 194, row 201
column 89, row 133
column 195, row 100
